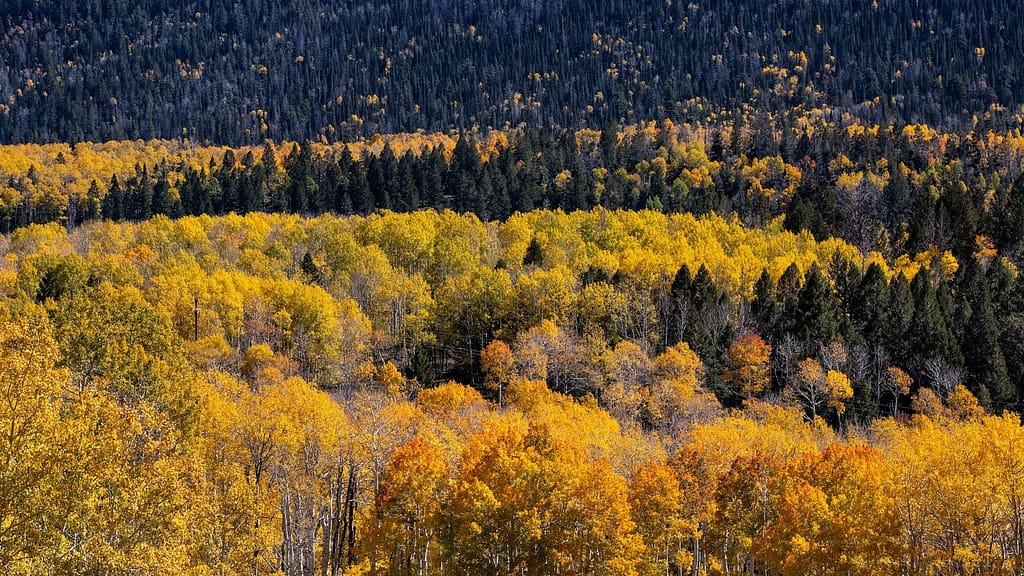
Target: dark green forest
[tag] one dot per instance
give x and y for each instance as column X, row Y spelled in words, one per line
column 240, row 72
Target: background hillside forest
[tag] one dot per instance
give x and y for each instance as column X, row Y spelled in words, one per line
column 237, row 72
column 490, row 288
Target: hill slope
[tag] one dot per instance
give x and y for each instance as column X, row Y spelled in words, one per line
column 240, row 72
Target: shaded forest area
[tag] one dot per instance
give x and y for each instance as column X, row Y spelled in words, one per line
column 239, row 72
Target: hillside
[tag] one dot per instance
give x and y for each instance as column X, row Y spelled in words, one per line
column 570, row 287
column 238, row 72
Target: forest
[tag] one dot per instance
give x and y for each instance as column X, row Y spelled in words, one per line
column 576, row 287
column 273, row 394
column 917, row 198
column 238, row 72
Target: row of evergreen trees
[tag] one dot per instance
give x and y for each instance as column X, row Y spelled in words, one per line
column 943, row 331
column 944, row 200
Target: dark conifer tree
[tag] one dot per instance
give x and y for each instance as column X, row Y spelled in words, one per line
column 788, row 295
column 983, row 355
column 817, row 312
column 764, row 305
column 113, row 202
column 407, row 196
column 898, row 316
column 870, row 305
column 929, row 335
column 359, row 191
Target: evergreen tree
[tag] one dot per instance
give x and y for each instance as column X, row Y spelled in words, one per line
column 870, row 307
column 91, row 207
column 310, row 270
column 817, row 311
column 703, row 296
column 846, row 278
column 113, row 202
column 534, row 254
column 406, row 197
column 929, row 335
column 227, row 200
column 162, row 201
column 788, row 295
column 342, row 191
column 983, row 355
column 764, row 305
column 301, row 185
column 899, row 315
column 463, row 174
column 359, row 191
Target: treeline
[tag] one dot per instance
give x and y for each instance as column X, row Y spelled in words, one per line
column 237, row 73
column 244, row 395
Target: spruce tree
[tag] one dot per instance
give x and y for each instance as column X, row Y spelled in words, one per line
column 764, row 304
column 929, row 335
column 983, row 355
column 870, row 304
column 899, row 314
column 817, row 313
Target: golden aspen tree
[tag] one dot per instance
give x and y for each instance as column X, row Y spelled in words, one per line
column 407, row 503
column 750, row 372
column 31, row 388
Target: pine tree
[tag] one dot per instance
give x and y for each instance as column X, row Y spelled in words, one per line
column 227, row 200
column 406, row 197
column 817, row 313
column 359, row 191
column 870, row 305
column 764, row 305
column 983, row 355
column 162, row 201
column 703, row 296
column 91, row 205
column 929, row 335
column 342, row 200
column 681, row 306
column 463, row 173
column 898, row 317
column 788, row 295
column 301, row 185
column 113, row 203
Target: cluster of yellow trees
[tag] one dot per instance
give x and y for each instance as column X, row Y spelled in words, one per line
column 209, row 474
column 234, row 396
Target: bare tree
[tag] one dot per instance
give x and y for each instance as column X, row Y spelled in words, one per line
column 787, row 352
column 944, row 378
column 833, row 355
